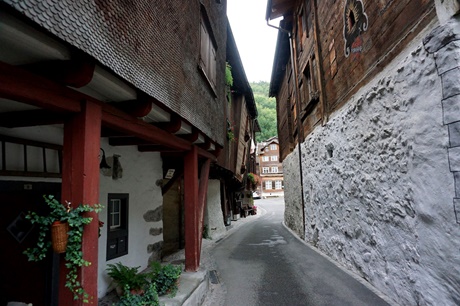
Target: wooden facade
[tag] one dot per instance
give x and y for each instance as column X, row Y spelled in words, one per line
column 150, row 91
column 327, row 51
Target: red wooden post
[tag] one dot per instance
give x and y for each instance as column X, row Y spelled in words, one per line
column 192, row 250
column 202, row 196
column 80, row 185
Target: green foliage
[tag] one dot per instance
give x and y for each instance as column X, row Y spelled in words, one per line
column 126, row 276
column 74, row 255
column 228, row 82
column 149, row 297
column 266, row 108
column 165, row 277
column 228, row 75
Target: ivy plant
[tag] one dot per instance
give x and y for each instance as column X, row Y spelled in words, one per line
column 165, row 277
column 73, row 254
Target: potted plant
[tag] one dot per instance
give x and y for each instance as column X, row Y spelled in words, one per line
column 66, row 225
column 165, row 277
column 127, row 278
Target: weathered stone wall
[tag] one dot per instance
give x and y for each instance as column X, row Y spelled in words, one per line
column 293, row 217
column 378, row 187
column 214, row 218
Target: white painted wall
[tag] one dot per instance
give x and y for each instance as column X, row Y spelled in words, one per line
column 140, row 172
column 213, row 215
column 381, row 205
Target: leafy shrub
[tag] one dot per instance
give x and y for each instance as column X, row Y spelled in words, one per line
column 125, row 276
column 165, row 277
column 149, row 297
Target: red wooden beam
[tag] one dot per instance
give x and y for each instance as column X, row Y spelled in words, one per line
column 23, row 86
column 30, row 118
column 80, row 184
column 136, row 108
column 192, row 251
column 76, row 72
column 202, row 196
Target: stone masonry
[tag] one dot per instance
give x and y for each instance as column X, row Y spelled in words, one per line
column 381, row 176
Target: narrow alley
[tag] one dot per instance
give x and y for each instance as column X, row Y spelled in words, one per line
column 262, row 263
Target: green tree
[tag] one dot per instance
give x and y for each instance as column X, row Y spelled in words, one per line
column 266, row 108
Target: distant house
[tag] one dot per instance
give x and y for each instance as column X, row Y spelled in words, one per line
column 124, row 104
column 368, row 102
column 270, row 169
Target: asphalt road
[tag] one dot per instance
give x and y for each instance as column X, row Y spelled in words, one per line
column 262, row 263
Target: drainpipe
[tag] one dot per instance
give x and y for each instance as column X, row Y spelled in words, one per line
column 300, row 136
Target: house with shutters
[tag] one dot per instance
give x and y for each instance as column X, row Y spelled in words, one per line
column 270, row 169
column 368, row 124
column 124, row 104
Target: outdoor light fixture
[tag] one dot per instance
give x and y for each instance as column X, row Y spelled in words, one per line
column 103, row 164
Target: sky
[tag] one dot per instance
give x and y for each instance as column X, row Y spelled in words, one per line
column 256, row 41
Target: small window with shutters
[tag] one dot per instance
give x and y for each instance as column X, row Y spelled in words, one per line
column 117, row 219
column 208, row 49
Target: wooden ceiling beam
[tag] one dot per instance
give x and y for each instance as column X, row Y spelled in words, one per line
column 173, row 126
column 126, row 141
column 30, row 118
column 76, row 72
column 23, row 86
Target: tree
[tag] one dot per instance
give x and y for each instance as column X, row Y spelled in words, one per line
column 266, row 108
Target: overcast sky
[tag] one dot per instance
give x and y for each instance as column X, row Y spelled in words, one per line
column 256, row 41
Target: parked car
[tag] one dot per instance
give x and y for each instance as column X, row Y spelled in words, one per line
column 255, row 195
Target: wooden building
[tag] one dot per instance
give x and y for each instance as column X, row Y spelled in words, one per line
column 270, row 169
column 118, row 103
column 369, row 137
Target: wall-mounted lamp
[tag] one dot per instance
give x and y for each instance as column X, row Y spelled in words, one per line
column 103, row 164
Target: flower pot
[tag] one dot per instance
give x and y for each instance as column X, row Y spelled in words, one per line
column 59, row 236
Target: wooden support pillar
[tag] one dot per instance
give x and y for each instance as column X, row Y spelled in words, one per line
column 202, row 195
column 195, row 201
column 192, row 250
column 80, row 185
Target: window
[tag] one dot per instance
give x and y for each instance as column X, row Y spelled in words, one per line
column 268, row 184
column 265, row 158
column 265, row 170
column 207, row 50
column 117, row 228
column 278, row 185
column 274, row 157
column 273, row 147
column 274, row 169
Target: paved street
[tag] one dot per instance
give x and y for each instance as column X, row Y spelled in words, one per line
column 262, row 263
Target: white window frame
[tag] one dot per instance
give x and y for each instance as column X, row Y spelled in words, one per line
column 273, row 147
column 265, row 169
column 278, row 185
column 274, row 158
column 268, row 184
column 265, row 158
column 274, row 170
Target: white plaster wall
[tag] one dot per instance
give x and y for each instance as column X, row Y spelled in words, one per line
column 380, row 200
column 213, row 215
column 140, row 172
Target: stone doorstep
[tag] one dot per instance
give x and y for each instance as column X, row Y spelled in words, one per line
column 193, row 287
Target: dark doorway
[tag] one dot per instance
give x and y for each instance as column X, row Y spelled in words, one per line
column 20, row 279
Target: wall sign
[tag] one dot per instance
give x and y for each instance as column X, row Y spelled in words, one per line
column 355, row 21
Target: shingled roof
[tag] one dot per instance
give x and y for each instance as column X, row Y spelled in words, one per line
column 151, row 44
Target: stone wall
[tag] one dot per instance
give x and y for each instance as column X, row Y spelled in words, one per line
column 214, row 218
column 378, row 185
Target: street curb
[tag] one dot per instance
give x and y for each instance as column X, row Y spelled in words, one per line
column 350, row 273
